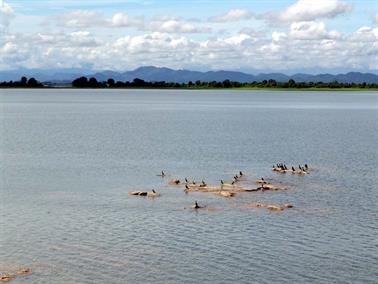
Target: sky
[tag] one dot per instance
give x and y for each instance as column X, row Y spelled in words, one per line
column 289, row 36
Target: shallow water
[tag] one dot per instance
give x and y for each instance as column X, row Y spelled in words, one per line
column 69, row 158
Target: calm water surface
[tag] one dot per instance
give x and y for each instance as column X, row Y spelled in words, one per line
column 69, row 158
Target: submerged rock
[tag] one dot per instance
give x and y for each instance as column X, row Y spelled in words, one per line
column 5, row 277
column 144, row 193
column 274, row 207
column 174, row 182
column 22, row 271
column 271, row 207
column 225, row 193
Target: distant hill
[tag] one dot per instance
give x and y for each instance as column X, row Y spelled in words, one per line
column 151, row 73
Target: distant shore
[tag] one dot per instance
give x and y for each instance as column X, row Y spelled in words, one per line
column 265, row 85
column 209, row 89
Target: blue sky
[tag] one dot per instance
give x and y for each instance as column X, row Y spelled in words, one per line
column 283, row 35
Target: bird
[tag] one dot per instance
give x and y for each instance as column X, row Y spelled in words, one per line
column 162, row 174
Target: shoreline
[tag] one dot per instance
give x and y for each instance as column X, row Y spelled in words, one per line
column 213, row 89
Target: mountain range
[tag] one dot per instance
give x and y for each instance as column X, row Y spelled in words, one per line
column 151, row 73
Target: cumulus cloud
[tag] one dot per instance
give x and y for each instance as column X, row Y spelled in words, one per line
column 311, row 30
column 309, row 10
column 168, row 41
column 365, row 34
column 6, row 15
column 277, row 36
column 123, row 20
column 80, row 19
column 175, row 25
column 89, row 19
column 233, row 15
column 280, row 50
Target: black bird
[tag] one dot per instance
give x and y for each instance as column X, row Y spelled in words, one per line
column 240, row 173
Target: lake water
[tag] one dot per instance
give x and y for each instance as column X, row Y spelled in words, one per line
column 70, row 157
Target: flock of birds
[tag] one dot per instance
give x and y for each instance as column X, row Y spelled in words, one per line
column 282, row 168
column 233, row 187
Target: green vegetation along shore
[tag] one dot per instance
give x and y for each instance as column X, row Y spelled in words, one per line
column 291, row 85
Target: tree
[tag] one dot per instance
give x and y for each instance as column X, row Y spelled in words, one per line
column 138, row 82
column 81, row 82
column 111, row 83
column 32, row 83
column 23, row 81
column 227, row 84
column 291, row 83
column 92, row 83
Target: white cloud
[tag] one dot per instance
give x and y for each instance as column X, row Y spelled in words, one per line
column 311, row 30
column 233, row 15
column 6, row 15
column 80, row 19
column 152, row 43
column 238, row 39
column 123, row 20
column 9, row 48
column 365, row 34
column 163, row 49
column 88, row 19
column 309, row 10
column 306, row 44
column 277, row 36
column 176, row 25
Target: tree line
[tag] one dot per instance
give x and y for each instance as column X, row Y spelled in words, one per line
column 84, row 82
column 23, row 83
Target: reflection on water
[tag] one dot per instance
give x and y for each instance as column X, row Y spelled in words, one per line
column 70, row 157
